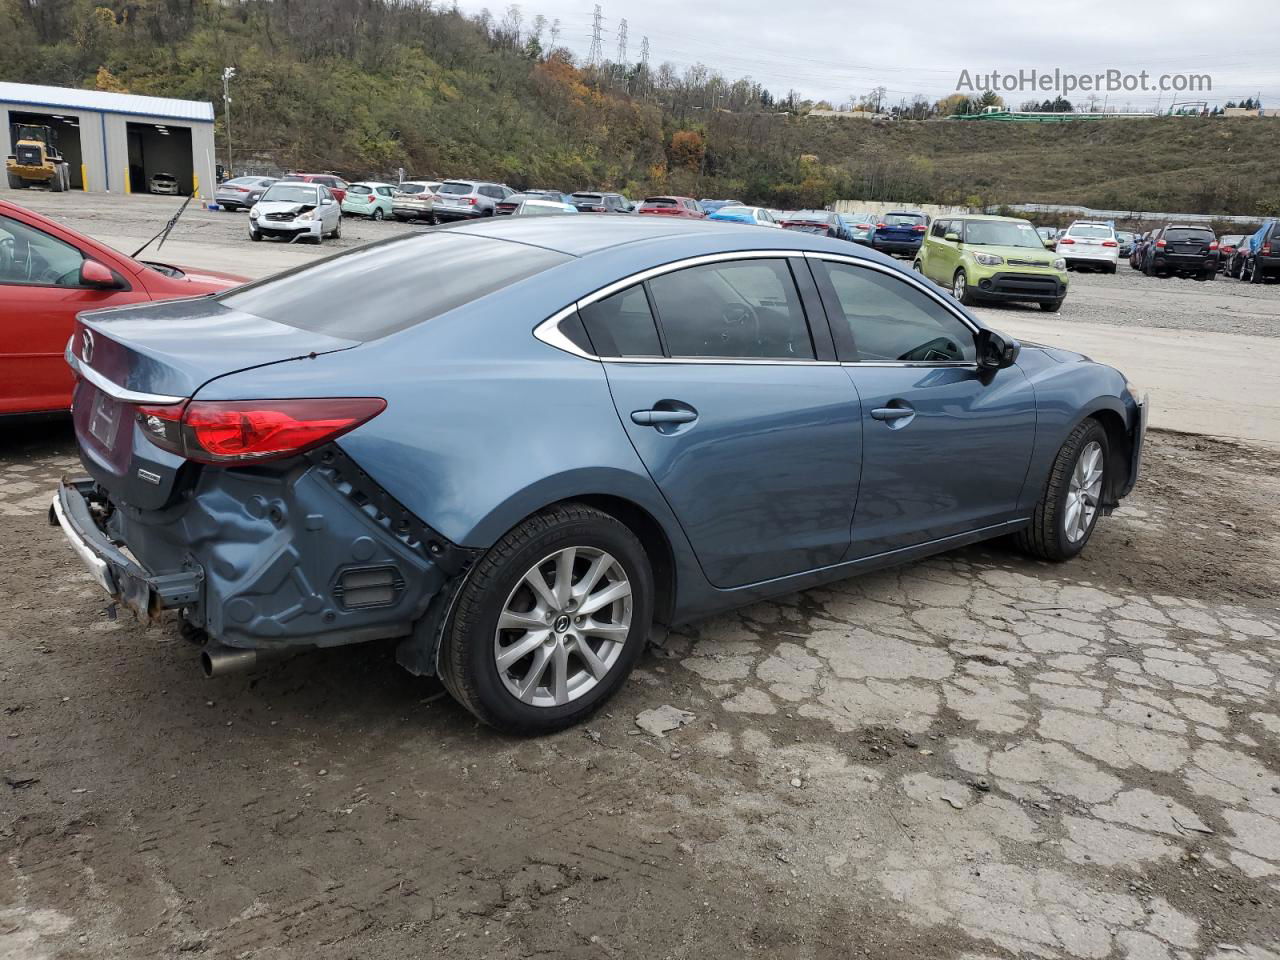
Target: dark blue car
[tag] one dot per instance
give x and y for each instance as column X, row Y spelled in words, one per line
column 900, row 233
column 519, row 446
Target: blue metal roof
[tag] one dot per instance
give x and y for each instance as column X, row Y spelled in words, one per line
column 70, row 98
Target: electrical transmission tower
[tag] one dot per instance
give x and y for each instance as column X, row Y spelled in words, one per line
column 644, row 65
column 622, row 40
column 596, row 54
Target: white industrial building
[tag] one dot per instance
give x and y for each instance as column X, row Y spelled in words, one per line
column 117, row 141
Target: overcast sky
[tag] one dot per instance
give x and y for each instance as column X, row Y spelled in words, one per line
column 834, row 50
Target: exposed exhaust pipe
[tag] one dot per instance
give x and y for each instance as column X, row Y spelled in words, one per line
column 217, row 660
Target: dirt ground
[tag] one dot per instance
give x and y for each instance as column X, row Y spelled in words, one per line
column 977, row 756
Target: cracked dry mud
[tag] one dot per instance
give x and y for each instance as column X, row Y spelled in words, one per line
column 978, row 756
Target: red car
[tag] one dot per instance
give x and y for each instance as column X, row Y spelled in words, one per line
column 685, row 207
column 337, row 186
column 48, row 274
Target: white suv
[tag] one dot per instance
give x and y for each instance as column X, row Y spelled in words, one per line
column 1088, row 243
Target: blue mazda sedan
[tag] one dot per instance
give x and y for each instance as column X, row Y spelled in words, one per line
column 520, row 446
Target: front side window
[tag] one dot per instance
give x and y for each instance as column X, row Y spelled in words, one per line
column 737, row 309
column 31, row 256
column 889, row 319
column 622, row 325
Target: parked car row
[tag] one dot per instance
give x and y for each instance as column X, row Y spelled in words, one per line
column 1178, row 249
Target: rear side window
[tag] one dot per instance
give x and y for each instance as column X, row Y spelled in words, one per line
column 383, row 288
column 890, row 320
column 739, row 309
column 622, row 325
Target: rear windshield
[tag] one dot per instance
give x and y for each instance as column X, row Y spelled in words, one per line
column 456, row 188
column 411, row 188
column 383, row 288
column 1090, row 231
column 815, row 216
column 588, row 197
column 359, row 188
column 243, row 180
column 902, row 219
column 661, row 202
column 1188, row 233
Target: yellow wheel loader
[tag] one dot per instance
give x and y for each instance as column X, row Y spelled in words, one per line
column 36, row 160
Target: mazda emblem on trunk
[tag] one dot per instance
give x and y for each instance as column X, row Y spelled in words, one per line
column 86, row 347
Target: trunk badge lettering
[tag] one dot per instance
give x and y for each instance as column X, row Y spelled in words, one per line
column 148, row 476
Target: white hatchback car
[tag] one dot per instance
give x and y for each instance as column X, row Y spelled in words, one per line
column 295, row 211
column 1089, row 243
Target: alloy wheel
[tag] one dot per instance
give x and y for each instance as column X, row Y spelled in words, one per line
column 1083, row 492
column 958, row 285
column 563, row 626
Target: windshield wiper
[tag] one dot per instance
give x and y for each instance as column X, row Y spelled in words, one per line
column 163, row 235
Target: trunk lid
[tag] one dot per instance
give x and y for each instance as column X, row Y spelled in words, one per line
column 156, row 355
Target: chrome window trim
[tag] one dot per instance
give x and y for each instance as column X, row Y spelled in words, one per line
column 113, row 389
column 951, row 307
column 548, row 331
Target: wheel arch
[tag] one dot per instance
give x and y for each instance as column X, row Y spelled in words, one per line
column 1118, row 453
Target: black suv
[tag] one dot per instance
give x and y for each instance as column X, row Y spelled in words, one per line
column 1261, row 254
column 1181, row 249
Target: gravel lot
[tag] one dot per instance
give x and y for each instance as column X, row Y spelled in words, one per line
column 975, row 757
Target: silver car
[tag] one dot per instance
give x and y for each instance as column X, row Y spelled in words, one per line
column 241, row 193
column 295, row 211
column 468, row 199
column 413, row 199
column 164, row 183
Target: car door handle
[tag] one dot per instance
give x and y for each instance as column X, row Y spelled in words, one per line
column 655, row 418
column 892, row 413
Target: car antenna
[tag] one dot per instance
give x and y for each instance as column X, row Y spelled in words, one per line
column 163, row 235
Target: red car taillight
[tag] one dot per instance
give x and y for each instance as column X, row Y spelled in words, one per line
column 1161, row 243
column 1110, row 243
column 879, row 226
column 1266, row 249
column 1066, row 240
column 249, row 431
column 1213, row 246
column 918, row 228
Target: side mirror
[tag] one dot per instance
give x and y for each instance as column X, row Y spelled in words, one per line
column 953, row 237
column 100, row 277
column 326, row 202
column 995, row 350
column 1050, row 242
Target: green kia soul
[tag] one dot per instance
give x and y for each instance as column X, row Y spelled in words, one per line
column 978, row 257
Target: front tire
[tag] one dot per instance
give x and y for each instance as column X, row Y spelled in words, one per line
column 960, row 289
column 255, row 236
column 1064, row 519
column 1052, row 306
column 549, row 622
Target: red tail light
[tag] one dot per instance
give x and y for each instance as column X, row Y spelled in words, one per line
column 919, row 228
column 1160, row 243
column 1213, row 246
column 879, row 226
column 1110, row 243
column 469, row 200
column 1266, row 249
column 1066, row 240
column 249, row 431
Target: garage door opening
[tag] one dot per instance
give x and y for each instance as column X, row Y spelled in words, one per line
column 160, row 159
column 66, row 137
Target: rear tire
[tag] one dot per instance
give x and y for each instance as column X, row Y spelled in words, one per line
column 1111, row 268
column 497, row 587
column 378, row 214
column 1256, row 275
column 337, row 231
column 56, row 184
column 1057, row 531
